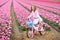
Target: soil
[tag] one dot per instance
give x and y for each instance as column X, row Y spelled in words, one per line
column 50, row 35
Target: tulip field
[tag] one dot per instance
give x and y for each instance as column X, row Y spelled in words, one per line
column 13, row 14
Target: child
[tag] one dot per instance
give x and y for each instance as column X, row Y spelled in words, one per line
column 35, row 17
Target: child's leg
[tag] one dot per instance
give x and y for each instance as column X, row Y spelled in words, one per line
column 42, row 30
column 41, row 26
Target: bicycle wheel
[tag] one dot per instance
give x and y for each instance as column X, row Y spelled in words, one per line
column 29, row 34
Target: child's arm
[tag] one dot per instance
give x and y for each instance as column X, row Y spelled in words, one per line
column 29, row 15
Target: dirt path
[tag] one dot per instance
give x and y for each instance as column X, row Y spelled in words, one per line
column 50, row 35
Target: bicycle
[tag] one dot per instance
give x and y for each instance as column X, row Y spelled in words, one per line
column 31, row 29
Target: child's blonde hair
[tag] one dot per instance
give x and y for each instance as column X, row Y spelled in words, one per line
column 33, row 8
